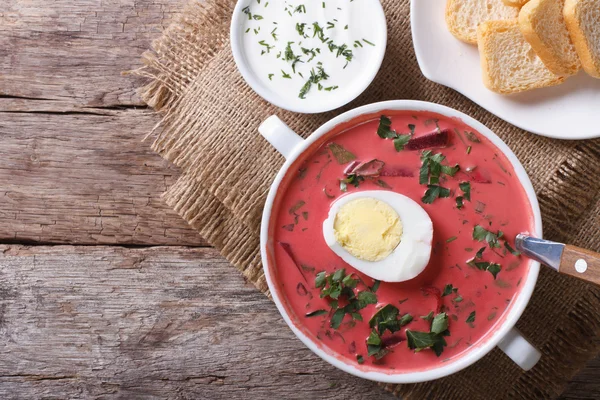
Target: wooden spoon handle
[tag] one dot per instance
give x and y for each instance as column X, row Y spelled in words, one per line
column 580, row 263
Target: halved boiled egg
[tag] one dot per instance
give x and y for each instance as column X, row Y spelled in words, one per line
column 383, row 234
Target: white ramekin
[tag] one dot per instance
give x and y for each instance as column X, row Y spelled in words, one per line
column 307, row 107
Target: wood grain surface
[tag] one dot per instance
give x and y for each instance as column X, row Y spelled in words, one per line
column 160, row 322
column 104, row 291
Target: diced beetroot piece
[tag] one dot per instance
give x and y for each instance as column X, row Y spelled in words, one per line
column 368, row 168
column 429, row 141
column 288, row 249
column 436, row 293
column 397, row 171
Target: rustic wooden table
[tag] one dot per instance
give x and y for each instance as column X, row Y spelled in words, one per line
column 104, row 291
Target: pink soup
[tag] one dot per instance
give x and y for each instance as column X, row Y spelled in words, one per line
column 474, row 272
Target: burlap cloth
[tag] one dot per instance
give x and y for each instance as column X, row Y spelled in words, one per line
column 210, row 131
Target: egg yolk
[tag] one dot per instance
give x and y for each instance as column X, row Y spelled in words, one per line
column 368, row 228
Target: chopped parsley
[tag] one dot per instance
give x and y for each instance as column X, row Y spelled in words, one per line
column 385, row 131
column 351, row 179
column 481, row 234
column 471, row 318
column 433, row 192
column 512, row 251
column 338, row 285
column 466, row 189
column 491, row 267
column 449, row 289
column 385, row 319
column 430, row 173
column 341, row 155
column 434, row 339
column 316, row 313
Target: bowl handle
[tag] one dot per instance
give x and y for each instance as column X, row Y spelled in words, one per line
column 519, row 349
column 280, row 135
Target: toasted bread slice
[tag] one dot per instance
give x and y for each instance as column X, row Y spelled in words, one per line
column 463, row 16
column 543, row 25
column 515, row 3
column 508, row 62
column 583, row 21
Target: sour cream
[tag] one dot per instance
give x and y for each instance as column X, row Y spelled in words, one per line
column 313, row 52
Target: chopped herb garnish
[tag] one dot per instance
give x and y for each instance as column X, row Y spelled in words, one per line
column 493, row 268
column 433, row 192
column 459, row 202
column 367, row 42
column 296, row 206
column 430, row 172
column 337, row 318
column 451, row 239
column 449, row 289
column 271, row 76
column 341, row 155
column 434, row 339
column 466, row 189
column 339, row 285
column 382, row 184
column 314, row 78
column 479, row 254
column 375, row 346
column 316, row 313
column 440, row 323
column 428, row 317
column 471, row 137
column 387, row 319
column 360, row 359
column 286, row 75
column 471, row 317
column 375, row 286
column 267, row 46
column 300, row 9
column 481, row 234
column 384, row 131
column 401, row 141
column 511, row 250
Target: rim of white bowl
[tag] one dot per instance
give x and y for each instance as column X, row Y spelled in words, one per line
column 476, row 352
column 235, row 38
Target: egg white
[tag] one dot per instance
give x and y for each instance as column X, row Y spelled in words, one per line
column 412, row 254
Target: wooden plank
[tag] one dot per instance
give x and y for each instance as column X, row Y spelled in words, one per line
column 72, row 167
column 88, row 179
column 162, row 322
column 75, row 50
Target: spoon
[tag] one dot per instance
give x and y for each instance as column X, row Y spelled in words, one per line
column 564, row 258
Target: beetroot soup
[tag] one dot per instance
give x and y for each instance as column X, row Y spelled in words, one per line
column 476, row 205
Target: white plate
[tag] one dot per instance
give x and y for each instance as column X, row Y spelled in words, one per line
column 567, row 111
